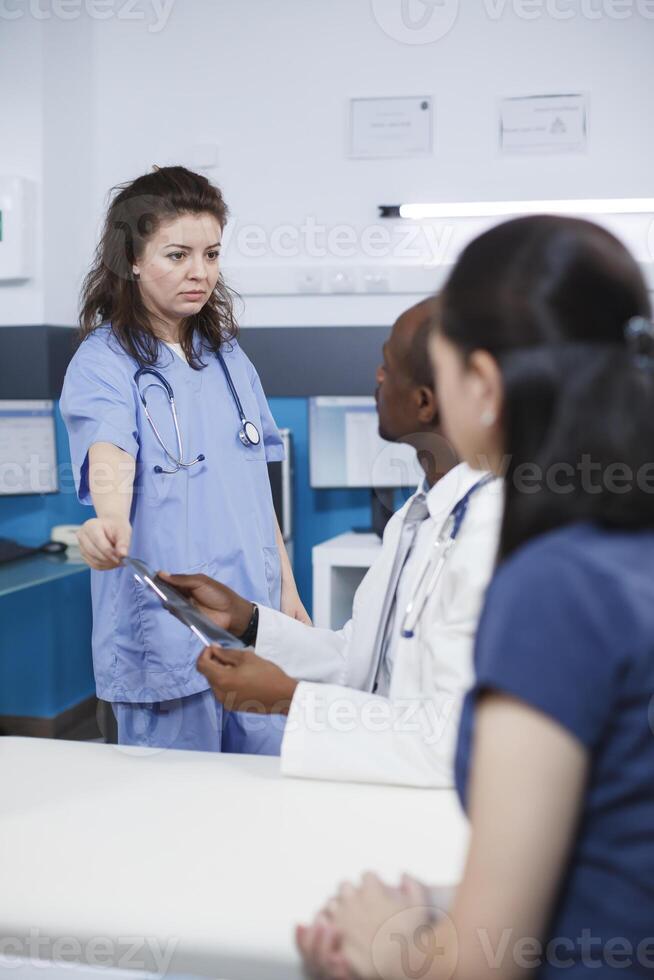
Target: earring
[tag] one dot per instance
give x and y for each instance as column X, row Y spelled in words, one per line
column 488, row 418
column 136, row 274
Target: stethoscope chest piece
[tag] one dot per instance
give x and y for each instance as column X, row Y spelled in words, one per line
column 249, row 434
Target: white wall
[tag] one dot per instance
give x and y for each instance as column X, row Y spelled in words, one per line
column 69, row 159
column 46, row 119
column 268, row 82
column 21, row 150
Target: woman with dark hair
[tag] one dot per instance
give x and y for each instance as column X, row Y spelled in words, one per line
column 545, row 370
column 170, row 434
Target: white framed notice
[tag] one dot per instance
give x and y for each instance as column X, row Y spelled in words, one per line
column 544, row 124
column 399, row 127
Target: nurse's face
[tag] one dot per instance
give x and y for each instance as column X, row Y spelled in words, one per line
column 178, row 269
column 469, row 392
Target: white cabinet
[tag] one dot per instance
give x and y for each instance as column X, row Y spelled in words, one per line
column 338, row 567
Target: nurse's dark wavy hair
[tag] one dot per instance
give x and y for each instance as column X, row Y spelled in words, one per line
column 549, row 298
column 111, row 293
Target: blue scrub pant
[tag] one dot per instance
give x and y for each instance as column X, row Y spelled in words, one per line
column 198, row 722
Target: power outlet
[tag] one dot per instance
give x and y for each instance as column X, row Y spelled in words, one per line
column 376, row 281
column 342, row 280
column 309, row 281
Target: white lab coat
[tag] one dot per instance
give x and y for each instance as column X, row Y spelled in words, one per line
column 336, row 728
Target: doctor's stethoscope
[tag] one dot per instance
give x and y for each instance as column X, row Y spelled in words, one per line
column 435, row 562
column 248, row 432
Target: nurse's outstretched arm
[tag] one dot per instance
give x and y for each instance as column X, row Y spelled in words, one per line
column 104, row 540
column 291, row 602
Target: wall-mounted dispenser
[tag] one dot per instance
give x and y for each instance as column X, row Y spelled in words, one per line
column 17, row 197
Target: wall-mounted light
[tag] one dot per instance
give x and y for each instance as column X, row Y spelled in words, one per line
column 495, row 209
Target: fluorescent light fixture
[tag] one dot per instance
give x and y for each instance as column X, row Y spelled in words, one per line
column 493, row 209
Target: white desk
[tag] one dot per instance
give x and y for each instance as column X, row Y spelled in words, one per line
column 217, row 855
column 338, row 567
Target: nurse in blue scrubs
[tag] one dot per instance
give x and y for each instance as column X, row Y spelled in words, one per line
column 170, row 436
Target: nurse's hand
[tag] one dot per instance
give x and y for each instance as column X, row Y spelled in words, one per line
column 242, row 681
column 291, row 604
column 104, row 541
column 221, row 604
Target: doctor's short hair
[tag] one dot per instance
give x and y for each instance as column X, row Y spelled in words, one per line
column 555, row 301
column 111, row 293
column 418, row 360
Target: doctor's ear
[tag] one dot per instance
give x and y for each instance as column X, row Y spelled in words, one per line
column 426, row 404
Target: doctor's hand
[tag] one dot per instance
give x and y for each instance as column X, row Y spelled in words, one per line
column 242, row 681
column 104, row 541
column 221, row 604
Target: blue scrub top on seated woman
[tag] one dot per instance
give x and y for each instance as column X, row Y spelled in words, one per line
column 215, row 518
column 568, row 628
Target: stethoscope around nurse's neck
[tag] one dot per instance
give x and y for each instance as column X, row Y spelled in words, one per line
column 247, row 433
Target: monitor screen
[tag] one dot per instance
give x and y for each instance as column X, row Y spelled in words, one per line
column 28, row 448
column 345, row 449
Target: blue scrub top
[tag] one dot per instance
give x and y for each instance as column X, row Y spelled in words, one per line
column 215, row 518
column 568, row 628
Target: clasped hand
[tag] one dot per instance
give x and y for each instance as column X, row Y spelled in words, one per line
column 374, row 932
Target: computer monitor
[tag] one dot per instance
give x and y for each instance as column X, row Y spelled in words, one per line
column 345, row 450
column 28, row 448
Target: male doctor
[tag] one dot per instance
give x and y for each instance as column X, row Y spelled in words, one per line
column 366, row 703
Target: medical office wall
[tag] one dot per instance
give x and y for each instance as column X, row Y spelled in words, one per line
column 257, row 95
